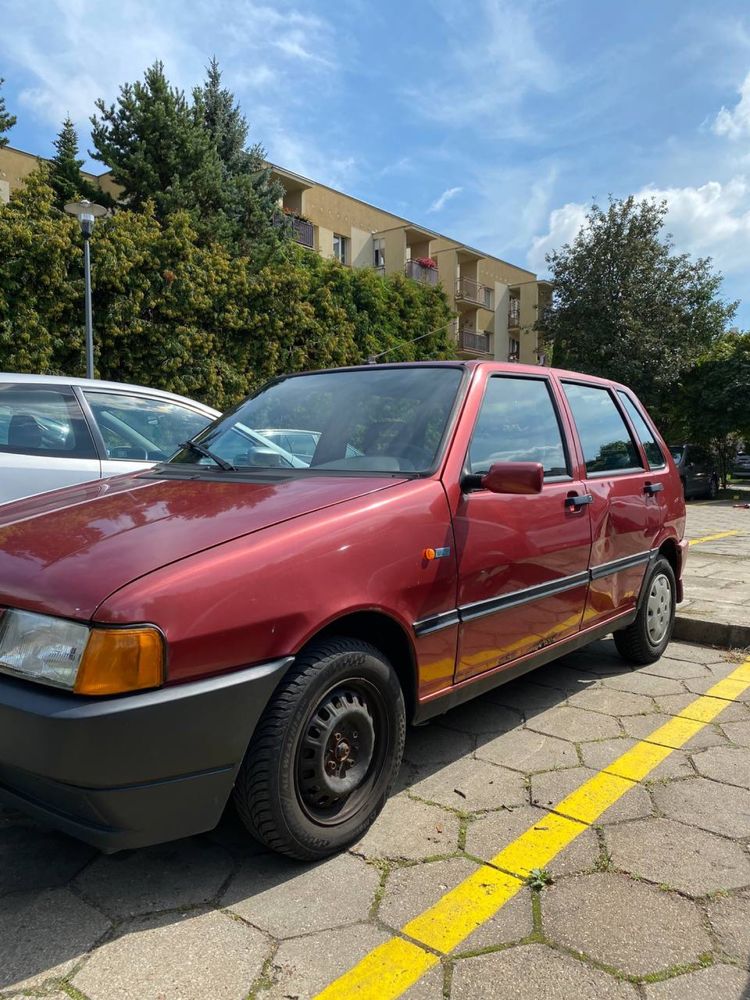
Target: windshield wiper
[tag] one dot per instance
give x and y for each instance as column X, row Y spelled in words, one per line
column 201, row 449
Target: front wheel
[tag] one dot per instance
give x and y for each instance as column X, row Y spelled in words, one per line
column 325, row 752
column 647, row 637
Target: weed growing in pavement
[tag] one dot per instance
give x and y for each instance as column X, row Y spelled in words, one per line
column 538, row 878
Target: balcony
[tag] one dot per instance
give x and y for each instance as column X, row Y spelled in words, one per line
column 472, row 291
column 475, row 343
column 303, row 232
column 421, row 272
column 514, row 312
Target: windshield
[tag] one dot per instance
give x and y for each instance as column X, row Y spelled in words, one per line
column 371, row 420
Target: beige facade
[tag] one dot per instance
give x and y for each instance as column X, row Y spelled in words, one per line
column 497, row 305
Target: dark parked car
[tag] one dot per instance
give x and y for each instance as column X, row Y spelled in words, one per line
column 741, row 465
column 697, row 469
column 233, row 623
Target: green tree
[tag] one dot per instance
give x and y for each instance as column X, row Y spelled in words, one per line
column 627, row 307
column 713, row 404
column 7, row 121
column 65, row 169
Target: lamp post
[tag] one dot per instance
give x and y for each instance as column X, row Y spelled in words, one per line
column 87, row 213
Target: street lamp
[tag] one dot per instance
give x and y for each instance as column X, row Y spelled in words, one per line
column 87, row 213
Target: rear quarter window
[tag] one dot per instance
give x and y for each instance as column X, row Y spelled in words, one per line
column 649, row 442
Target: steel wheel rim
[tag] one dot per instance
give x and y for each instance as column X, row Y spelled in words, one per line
column 658, row 608
column 341, row 752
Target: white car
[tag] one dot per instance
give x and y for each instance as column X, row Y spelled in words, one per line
column 57, row 431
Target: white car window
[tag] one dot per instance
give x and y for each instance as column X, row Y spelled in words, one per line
column 45, row 422
column 143, row 428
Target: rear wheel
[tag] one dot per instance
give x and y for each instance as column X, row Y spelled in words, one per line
column 325, row 752
column 646, row 639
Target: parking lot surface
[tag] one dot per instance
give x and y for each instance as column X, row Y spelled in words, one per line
column 580, row 833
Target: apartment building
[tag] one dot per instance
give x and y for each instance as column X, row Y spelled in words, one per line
column 498, row 306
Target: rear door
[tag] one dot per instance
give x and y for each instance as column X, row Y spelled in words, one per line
column 45, row 442
column 522, row 560
column 625, row 516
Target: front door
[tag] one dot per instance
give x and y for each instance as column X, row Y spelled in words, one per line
column 522, row 559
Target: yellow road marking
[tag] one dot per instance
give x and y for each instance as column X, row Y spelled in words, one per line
column 391, row 968
column 714, row 538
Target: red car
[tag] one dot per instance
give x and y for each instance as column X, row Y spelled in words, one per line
column 245, row 621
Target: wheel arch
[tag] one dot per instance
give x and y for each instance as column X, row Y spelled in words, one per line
column 387, row 635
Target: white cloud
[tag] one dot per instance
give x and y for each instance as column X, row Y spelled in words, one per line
column 712, row 219
column 735, row 123
column 440, row 203
column 492, row 60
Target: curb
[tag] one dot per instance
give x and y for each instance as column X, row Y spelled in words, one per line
column 711, row 633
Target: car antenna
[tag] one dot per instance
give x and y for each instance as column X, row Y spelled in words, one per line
column 373, row 358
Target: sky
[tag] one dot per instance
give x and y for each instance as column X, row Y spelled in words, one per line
column 495, row 123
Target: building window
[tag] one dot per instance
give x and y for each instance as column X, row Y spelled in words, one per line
column 514, row 349
column 341, row 248
column 378, row 253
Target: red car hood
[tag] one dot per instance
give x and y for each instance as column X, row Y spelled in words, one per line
column 65, row 552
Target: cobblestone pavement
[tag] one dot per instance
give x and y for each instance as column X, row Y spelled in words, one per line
column 717, row 572
column 651, row 902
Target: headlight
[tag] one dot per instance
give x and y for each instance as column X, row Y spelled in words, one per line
column 86, row 660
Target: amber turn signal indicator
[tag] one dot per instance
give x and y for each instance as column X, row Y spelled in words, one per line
column 120, row 660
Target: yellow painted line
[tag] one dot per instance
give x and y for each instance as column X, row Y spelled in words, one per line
column 391, row 968
column 714, row 538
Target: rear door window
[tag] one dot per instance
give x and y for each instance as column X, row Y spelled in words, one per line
column 605, row 439
column 37, row 420
column 518, row 423
column 650, row 445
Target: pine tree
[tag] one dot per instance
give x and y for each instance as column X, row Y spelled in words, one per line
column 7, row 121
column 65, row 172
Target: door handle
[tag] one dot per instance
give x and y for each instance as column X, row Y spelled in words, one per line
column 651, row 488
column 574, row 501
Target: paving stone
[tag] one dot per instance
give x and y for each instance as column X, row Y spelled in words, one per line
column 195, row 955
column 480, row 717
column 574, row 724
column 700, row 685
column 677, row 669
column 693, row 653
column 527, row 751
column 526, row 697
column 629, row 925
column 233, row 836
column 726, row 764
column 472, row 785
column 434, row 744
column 642, row 727
column 603, row 755
column 180, row 874
column 285, row 898
column 641, row 683
column 719, row 982
column 410, row 891
column 38, row 859
column 673, row 704
column 547, row 790
column 737, row 732
column 565, row 675
column 534, row 971
column 487, row 835
column 684, row 858
column 723, row 809
column 730, row 919
column 44, row 935
column 304, row 966
column 409, row 830
column 612, row 702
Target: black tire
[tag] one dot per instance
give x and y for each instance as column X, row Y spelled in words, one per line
column 646, row 639
column 326, row 751
column 684, row 490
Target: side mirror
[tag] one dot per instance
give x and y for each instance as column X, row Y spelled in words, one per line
column 508, row 477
